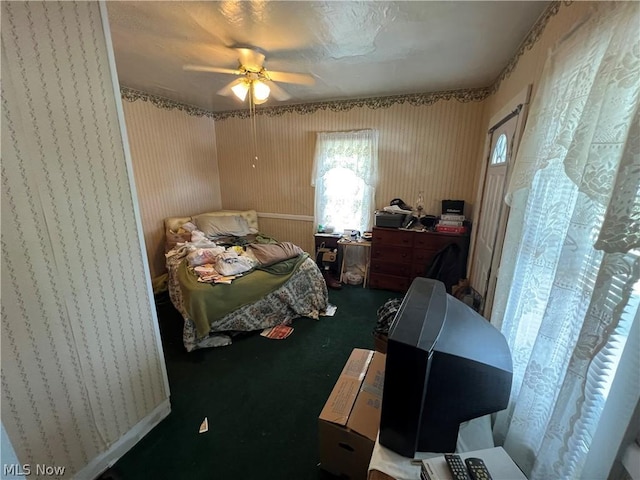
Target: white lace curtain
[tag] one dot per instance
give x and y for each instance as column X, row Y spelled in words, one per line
column 565, row 297
column 344, row 176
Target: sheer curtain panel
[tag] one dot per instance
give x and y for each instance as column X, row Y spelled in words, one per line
column 567, row 294
column 344, row 176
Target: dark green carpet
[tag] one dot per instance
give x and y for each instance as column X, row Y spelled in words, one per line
column 262, row 397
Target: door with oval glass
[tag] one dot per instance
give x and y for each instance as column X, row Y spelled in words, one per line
column 493, row 212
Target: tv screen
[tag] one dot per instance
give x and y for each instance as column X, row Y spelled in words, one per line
column 445, row 365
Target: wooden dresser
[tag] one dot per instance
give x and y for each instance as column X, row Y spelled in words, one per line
column 399, row 256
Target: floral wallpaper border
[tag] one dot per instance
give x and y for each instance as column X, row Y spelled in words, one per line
column 131, row 95
column 416, row 99
column 529, row 41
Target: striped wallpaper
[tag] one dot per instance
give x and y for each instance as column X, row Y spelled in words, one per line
column 82, row 365
column 431, row 148
column 527, row 72
column 529, row 67
column 175, row 169
column 437, row 148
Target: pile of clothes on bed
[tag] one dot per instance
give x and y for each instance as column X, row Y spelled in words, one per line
column 214, row 263
column 231, row 279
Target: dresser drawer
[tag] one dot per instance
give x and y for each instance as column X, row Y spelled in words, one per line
column 391, row 254
column 388, row 282
column 389, row 268
column 419, row 270
column 437, row 241
column 424, row 257
column 399, row 256
column 400, row 238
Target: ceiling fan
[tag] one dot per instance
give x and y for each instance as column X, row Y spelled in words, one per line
column 255, row 80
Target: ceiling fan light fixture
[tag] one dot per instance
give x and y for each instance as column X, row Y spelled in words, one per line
column 241, row 89
column 260, row 91
column 254, row 80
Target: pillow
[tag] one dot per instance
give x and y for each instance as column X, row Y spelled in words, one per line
column 251, row 217
column 219, row 225
column 189, row 227
column 244, row 225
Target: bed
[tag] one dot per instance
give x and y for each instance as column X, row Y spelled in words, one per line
column 273, row 292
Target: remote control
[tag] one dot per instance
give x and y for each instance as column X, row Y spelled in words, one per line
column 477, row 469
column 456, row 465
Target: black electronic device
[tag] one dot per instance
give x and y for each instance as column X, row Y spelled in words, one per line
column 453, row 207
column 477, row 469
column 429, row 221
column 456, row 466
column 409, row 221
column 389, row 220
column 400, row 203
column 445, row 365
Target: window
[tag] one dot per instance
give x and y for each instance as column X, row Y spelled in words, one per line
column 499, row 154
column 344, row 176
column 568, row 285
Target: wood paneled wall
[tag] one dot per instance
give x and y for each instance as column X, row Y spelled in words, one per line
column 175, row 169
column 433, row 148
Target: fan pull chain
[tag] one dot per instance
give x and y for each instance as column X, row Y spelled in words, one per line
column 252, row 117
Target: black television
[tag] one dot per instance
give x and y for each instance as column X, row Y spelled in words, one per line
column 445, row 365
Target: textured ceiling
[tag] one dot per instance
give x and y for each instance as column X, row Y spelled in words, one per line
column 352, row 49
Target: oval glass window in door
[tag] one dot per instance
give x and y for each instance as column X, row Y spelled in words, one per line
column 499, row 154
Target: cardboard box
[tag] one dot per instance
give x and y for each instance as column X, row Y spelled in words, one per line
column 380, row 342
column 348, row 424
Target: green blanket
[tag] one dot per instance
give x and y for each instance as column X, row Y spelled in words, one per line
column 205, row 303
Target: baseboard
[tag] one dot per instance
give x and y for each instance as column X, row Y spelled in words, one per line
column 125, row 443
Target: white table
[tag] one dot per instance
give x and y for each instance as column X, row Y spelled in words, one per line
column 346, row 244
column 388, row 465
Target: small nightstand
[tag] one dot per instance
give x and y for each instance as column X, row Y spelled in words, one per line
column 330, row 241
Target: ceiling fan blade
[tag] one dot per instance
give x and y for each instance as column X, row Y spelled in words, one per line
column 287, row 77
column 251, row 59
column 277, row 92
column 204, row 68
column 227, row 91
